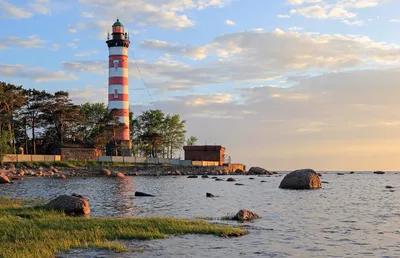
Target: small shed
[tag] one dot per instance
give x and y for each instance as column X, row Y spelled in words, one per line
column 214, row 153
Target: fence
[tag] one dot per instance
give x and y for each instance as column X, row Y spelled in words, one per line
column 31, row 158
column 122, row 159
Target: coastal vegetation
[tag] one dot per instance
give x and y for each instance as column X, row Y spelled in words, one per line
column 33, row 231
column 33, row 121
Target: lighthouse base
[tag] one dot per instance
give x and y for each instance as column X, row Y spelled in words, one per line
column 119, row 148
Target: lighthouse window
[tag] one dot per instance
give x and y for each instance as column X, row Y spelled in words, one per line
column 116, row 62
column 115, row 93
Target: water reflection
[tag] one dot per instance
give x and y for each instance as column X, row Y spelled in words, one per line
column 353, row 215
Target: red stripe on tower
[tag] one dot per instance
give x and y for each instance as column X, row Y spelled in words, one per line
column 118, row 98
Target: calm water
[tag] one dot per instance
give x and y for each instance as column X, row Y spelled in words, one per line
column 352, row 216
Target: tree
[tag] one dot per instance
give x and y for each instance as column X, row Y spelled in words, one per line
column 11, row 100
column 95, row 118
column 192, row 140
column 63, row 119
column 174, row 133
column 4, row 145
column 36, row 103
column 158, row 135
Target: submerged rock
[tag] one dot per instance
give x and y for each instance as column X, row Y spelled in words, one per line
column 258, row 171
column 209, row 195
column 231, row 179
column 379, row 172
column 301, row 179
column 143, row 194
column 71, row 205
column 340, row 174
column 389, row 187
column 205, row 176
column 245, row 215
column 192, row 176
column 219, row 179
column 239, row 184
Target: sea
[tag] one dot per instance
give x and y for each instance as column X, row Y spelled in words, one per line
column 353, row 215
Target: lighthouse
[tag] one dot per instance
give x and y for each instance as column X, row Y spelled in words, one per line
column 118, row 88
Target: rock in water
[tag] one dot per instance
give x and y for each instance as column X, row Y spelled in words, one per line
column 239, row 184
column 258, row 171
column 143, row 194
column 245, row 215
column 340, row 174
column 389, row 187
column 301, row 179
column 192, row 176
column 231, row 179
column 4, row 179
column 105, row 172
column 205, row 176
column 351, row 172
column 209, row 195
column 379, row 172
column 239, row 171
column 117, row 174
column 71, row 205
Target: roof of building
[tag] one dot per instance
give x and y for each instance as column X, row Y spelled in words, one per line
column 117, row 23
column 203, row 148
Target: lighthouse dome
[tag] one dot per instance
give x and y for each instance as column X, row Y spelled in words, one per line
column 117, row 23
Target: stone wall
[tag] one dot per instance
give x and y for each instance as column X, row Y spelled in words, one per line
column 78, row 154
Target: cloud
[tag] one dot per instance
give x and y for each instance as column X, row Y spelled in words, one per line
column 395, row 20
column 8, row 10
column 72, row 30
column 337, row 10
column 253, row 57
column 300, row 2
column 283, row 16
column 188, row 51
column 86, row 53
column 168, row 14
column 327, row 122
column 230, row 23
column 89, row 94
column 32, row 41
column 38, row 74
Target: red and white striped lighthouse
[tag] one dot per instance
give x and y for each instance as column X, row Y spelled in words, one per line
column 118, row 92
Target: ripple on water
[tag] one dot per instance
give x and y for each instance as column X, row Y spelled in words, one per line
column 343, row 219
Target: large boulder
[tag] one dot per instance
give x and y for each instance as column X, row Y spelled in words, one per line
column 71, row 205
column 301, row 179
column 245, row 215
column 4, row 179
column 258, row 171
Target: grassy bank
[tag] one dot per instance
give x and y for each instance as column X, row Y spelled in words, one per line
column 36, row 232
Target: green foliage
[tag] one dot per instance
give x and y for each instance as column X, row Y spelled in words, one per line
column 158, row 135
column 192, row 140
column 4, row 144
column 37, row 232
column 54, row 120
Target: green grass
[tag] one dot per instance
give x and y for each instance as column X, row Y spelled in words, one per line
column 37, row 232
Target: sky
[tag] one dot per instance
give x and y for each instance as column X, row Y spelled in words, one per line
column 282, row 84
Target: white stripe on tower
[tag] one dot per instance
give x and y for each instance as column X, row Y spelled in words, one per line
column 118, row 90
